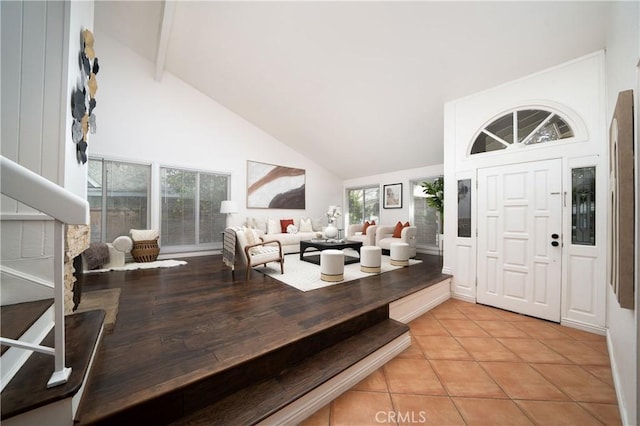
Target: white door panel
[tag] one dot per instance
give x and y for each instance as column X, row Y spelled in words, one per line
column 519, row 209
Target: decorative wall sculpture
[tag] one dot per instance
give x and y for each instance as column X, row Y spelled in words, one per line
column 622, row 200
column 275, row 187
column 83, row 96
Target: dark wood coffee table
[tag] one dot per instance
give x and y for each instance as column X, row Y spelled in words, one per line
column 326, row 245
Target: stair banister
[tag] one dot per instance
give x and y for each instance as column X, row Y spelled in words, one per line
column 31, row 189
column 64, row 207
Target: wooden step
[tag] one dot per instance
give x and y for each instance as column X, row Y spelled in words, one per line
column 28, row 389
column 16, row 319
column 180, row 402
column 264, row 398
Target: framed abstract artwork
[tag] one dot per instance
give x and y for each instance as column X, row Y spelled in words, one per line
column 275, row 187
column 392, row 196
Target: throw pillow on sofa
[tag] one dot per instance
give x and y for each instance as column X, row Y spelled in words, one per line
column 284, row 223
column 317, row 224
column 259, row 223
column 366, row 225
column 305, row 225
column 397, row 232
column 273, row 227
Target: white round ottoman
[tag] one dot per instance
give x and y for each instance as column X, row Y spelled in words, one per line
column 331, row 265
column 370, row 259
column 399, row 254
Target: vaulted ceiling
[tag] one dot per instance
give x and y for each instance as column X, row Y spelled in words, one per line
column 357, row 86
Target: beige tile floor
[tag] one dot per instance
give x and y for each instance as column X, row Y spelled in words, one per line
column 476, row 365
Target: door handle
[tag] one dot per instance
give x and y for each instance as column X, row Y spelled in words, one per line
column 555, row 236
column 555, row 243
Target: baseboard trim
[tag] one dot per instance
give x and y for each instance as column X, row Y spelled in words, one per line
column 615, row 373
column 583, row 326
column 463, row 297
column 412, row 306
column 305, row 406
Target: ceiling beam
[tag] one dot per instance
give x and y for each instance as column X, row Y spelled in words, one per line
column 168, row 10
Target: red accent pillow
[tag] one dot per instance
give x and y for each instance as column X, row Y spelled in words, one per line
column 284, row 223
column 397, row 232
column 364, row 228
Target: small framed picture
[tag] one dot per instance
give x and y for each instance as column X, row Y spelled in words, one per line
column 392, row 196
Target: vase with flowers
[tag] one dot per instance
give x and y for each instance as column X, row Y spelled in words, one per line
column 333, row 213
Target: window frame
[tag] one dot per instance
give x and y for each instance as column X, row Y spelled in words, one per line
column 576, row 130
column 105, row 189
column 417, row 183
column 196, row 246
column 364, row 202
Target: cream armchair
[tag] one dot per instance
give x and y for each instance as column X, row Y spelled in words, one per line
column 252, row 251
column 384, row 237
column 354, row 233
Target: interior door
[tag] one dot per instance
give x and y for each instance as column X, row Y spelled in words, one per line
column 520, row 239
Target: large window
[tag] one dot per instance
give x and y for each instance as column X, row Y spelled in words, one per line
column 118, row 195
column 363, row 204
column 190, row 208
column 424, row 217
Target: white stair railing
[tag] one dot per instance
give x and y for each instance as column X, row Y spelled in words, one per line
column 64, row 207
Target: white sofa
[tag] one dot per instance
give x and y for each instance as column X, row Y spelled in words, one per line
column 290, row 241
column 384, row 237
column 354, row 233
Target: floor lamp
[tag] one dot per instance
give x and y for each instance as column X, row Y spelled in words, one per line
column 228, row 207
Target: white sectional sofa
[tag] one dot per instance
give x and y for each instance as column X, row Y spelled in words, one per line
column 270, row 229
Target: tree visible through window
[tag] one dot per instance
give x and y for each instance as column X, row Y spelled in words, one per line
column 424, row 217
column 363, row 204
column 118, row 195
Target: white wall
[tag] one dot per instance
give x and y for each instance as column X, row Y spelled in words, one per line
column 623, row 52
column 170, row 123
column 35, row 102
column 392, row 216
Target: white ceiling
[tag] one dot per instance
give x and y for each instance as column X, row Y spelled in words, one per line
column 357, row 86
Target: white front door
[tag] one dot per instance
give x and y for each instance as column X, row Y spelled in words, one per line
column 520, row 238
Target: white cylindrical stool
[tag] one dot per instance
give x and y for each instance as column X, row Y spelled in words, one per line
column 399, row 254
column 370, row 259
column 331, row 265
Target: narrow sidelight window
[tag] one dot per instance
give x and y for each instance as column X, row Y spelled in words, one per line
column 583, row 206
column 464, row 208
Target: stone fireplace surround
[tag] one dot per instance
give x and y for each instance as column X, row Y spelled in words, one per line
column 77, row 239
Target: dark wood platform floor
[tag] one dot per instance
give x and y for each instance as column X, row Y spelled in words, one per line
column 28, row 389
column 16, row 319
column 179, row 325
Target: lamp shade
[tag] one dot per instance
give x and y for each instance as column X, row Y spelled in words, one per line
column 228, row 206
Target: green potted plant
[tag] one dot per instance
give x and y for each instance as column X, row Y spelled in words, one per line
column 434, row 191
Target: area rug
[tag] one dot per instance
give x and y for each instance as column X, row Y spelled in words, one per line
column 107, row 300
column 305, row 276
column 143, row 265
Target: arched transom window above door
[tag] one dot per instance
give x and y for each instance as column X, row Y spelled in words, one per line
column 522, row 128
